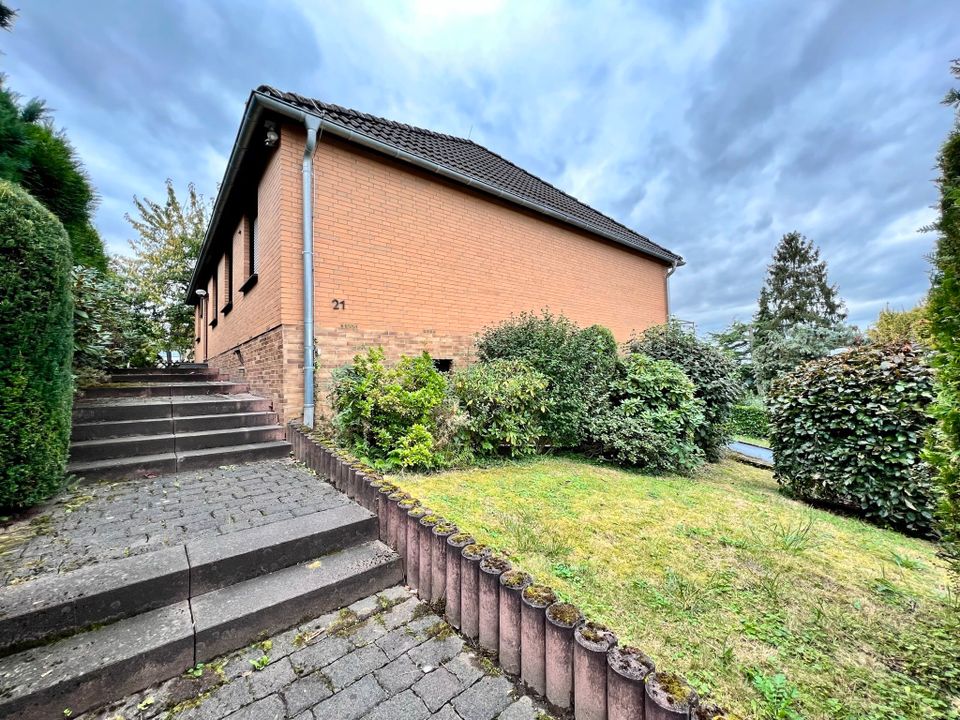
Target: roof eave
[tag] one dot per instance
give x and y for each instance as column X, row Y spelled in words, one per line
column 259, row 101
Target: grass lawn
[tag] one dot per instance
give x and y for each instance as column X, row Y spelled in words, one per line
column 752, row 440
column 776, row 609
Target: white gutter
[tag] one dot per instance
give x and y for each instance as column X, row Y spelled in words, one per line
column 671, row 271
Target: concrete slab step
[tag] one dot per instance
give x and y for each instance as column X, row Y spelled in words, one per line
column 165, row 426
column 94, row 410
column 57, row 605
column 137, row 445
column 148, row 465
column 124, row 468
column 121, row 428
column 214, row 457
column 132, row 446
column 164, row 389
column 179, row 377
column 234, row 616
column 228, row 436
column 76, row 674
column 219, row 562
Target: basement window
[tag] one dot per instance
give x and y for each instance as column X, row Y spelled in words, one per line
column 443, row 365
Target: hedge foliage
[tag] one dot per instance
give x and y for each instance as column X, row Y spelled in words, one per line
column 848, row 431
column 390, row 415
column 578, row 362
column 713, row 373
column 649, row 418
column 749, row 420
column 505, row 402
column 36, row 344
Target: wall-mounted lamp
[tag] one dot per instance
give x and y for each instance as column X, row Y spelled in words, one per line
column 272, row 137
column 201, row 294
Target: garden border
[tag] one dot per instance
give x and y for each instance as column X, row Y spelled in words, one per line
column 606, row 700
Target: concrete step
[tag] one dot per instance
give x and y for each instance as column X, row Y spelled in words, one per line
column 137, row 445
column 163, row 389
column 179, row 377
column 121, row 428
column 70, row 676
column 132, row 446
column 162, row 463
column 199, row 440
column 214, row 457
column 234, row 616
column 165, row 426
column 87, row 670
column 56, row 605
column 124, row 468
column 194, row 423
column 124, row 409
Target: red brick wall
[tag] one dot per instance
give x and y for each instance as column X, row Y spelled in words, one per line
column 416, row 263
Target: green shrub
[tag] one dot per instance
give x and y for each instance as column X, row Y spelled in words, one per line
column 649, row 418
column 505, row 401
column 108, row 330
column 848, row 430
column 36, row 342
column 749, row 420
column 577, row 362
column 714, row 375
column 390, row 415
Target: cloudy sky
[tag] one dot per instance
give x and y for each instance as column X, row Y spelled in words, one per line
column 711, row 127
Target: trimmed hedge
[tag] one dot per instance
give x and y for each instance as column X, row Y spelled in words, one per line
column 36, row 347
column 749, row 420
column 848, row 431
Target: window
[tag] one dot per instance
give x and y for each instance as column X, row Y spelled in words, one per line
column 227, row 282
column 443, row 365
column 252, row 253
column 254, row 245
column 213, row 302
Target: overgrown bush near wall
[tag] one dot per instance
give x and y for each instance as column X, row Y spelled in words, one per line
column 36, row 344
column 848, row 430
column 749, row 420
column 391, row 415
column 649, row 418
column 505, row 402
column 578, row 363
column 713, row 373
column 108, row 330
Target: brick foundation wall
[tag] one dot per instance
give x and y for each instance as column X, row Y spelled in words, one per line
column 258, row 362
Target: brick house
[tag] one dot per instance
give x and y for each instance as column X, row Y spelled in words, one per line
column 409, row 239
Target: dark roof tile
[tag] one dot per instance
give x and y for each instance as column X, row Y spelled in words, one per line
column 474, row 161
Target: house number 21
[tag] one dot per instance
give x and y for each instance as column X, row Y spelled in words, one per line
column 339, row 304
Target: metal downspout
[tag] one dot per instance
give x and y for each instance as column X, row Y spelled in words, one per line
column 671, row 271
column 312, row 124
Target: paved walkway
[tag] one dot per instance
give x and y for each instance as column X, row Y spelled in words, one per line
column 106, row 521
column 387, row 657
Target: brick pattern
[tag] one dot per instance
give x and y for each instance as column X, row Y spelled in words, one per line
column 384, row 657
column 114, row 520
column 415, row 263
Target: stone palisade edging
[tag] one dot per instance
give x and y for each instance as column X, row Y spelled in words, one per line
column 576, row 665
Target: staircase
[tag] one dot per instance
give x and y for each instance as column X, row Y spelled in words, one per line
column 73, row 641
column 158, row 421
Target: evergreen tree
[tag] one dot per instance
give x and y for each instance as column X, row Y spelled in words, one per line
column 7, row 14
column 158, row 273
column 943, row 309
column 39, row 158
column 800, row 315
column 737, row 341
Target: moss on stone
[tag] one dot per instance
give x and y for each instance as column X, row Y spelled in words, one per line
column 444, row 528
column 495, row 564
column 564, row 614
column 460, row 538
column 431, row 519
column 475, row 551
column 539, row 595
column 515, row 579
